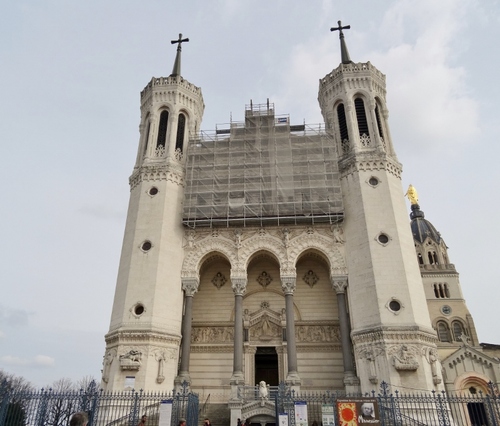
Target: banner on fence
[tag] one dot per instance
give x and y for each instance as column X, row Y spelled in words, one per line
column 301, row 413
column 327, row 415
column 165, row 413
column 358, row 411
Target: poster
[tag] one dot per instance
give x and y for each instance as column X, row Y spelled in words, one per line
column 327, row 415
column 165, row 413
column 358, row 411
column 283, row 419
column 301, row 413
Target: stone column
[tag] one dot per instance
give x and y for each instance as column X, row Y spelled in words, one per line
column 288, row 286
column 239, row 285
column 351, row 382
column 190, row 287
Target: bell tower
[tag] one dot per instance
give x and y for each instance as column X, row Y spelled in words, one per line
column 391, row 330
column 142, row 345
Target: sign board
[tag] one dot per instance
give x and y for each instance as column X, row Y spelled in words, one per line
column 327, row 415
column 165, row 413
column 358, row 411
column 301, row 413
column 283, row 419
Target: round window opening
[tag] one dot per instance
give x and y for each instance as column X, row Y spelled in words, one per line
column 139, row 310
column 146, row 245
column 373, row 181
column 153, row 190
column 446, row 310
column 395, row 306
column 383, row 239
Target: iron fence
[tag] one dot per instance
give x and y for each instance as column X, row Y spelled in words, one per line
column 52, row 408
column 392, row 409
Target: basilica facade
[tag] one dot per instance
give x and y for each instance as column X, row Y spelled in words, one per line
column 275, row 252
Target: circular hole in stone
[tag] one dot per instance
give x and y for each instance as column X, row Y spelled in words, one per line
column 373, row 181
column 383, row 239
column 395, row 306
column 139, row 309
column 153, row 190
column 146, row 245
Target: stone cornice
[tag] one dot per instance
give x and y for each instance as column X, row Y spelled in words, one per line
column 357, row 162
column 394, row 334
column 212, row 348
column 157, row 172
column 128, row 337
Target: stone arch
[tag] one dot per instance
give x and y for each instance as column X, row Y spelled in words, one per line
column 256, row 244
column 472, row 379
column 194, row 259
column 320, row 245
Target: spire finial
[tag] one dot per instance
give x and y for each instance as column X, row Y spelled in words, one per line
column 343, row 47
column 177, row 64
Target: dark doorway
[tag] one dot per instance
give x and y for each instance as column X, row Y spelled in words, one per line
column 266, row 365
column 477, row 414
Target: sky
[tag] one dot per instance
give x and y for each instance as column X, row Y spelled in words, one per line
column 70, row 78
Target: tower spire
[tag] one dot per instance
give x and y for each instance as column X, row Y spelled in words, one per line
column 343, row 47
column 177, row 64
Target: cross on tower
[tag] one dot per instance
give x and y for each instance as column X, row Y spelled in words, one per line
column 177, row 64
column 181, row 40
column 339, row 29
column 343, row 48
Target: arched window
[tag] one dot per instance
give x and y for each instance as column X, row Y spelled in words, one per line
column 443, row 332
column 162, row 130
column 436, row 291
column 362, row 122
column 181, row 125
column 344, row 134
column 446, row 291
column 458, row 331
column 420, row 259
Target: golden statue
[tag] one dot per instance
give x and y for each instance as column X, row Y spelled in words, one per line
column 412, row 194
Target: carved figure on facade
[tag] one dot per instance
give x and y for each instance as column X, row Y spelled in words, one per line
column 404, row 359
column 131, row 360
column 237, row 238
column 190, row 236
column 178, row 154
column 432, row 358
column 338, row 235
column 107, row 361
column 212, row 335
column 219, row 280
column 310, row 278
column 265, row 329
column 286, row 237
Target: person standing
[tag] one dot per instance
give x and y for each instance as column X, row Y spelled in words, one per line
column 79, row 419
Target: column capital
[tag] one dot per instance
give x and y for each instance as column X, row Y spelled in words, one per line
column 190, row 285
column 339, row 283
column 239, row 285
column 288, row 283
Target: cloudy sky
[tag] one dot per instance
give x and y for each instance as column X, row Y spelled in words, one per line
column 70, row 77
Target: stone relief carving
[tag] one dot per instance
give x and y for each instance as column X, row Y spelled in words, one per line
column 107, row 361
column 310, row 278
column 219, row 280
column 404, row 358
column 371, row 354
column 131, row 360
column 190, row 236
column 237, row 238
column 317, row 333
column 265, row 329
column 212, row 334
column 432, row 357
column 161, row 356
column 338, row 235
column 264, row 279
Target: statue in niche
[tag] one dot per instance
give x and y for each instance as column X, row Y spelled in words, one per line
column 338, row 235
column 432, row 357
column 108, row 360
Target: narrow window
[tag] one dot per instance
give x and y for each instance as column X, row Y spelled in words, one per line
column 379, row 123
column 436, row 293
column 458, row 330
column 146, row 140
column 446, row 291
column 443, row 332
column 344, row 134
column 431, row 260
column 441, row 292
column 162, row 130
column 420, row 259
column 181, row 124
column 361, row 116
column 434, row 256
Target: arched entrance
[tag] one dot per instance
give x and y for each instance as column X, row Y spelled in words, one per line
column 266, row 365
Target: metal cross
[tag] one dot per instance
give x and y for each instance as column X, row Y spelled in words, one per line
column 339, row 29
column 180, row 41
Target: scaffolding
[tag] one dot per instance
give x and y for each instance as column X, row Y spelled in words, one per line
column 262, row 171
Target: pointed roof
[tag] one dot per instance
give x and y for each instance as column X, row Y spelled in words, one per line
column 343, row 47
column 177, row 64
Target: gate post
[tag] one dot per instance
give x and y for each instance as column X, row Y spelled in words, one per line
column 492, row 414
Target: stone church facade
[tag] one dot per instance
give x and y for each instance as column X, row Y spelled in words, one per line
column 274, row 252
